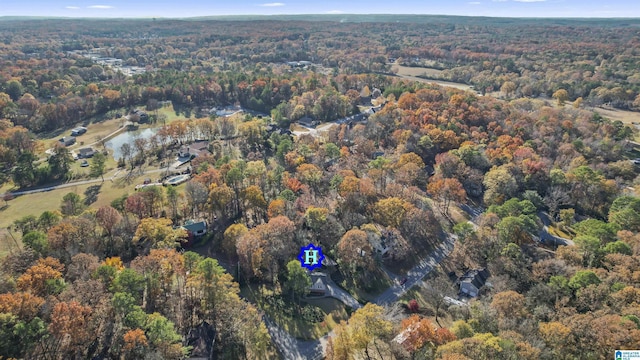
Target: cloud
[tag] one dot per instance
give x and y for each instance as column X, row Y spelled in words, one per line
column 530, row 1
column 474, row 3
column 100, row 7
column 499, row 0
column 335, row 12
column 72, row 7
column 272, row 4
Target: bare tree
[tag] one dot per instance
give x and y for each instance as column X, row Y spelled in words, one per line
column 197, row 196
column 435, row 291
column 556, row 197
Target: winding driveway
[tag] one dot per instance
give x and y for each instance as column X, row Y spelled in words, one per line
column 417, row 273
column 294, row 349
column 543, row 234
column 548, row 238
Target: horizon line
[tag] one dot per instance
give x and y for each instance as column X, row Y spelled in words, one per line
column 204, row 17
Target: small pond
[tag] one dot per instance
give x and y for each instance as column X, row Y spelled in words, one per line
column 128, row 137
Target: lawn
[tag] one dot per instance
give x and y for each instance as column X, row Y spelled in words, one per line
column 417, row 71
column 99, row 194
column 334, row 311
column 170, row 113
column 627, row 117
column 378, row 282
column 558, row 231
column 96, row 129
column 426, row 309
column 8, row 240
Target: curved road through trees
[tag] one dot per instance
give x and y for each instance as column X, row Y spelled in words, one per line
column 294, row 349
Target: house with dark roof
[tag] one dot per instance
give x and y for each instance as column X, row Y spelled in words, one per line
column 78, row 131
column 195, row 229
column 86, row 153
column 198, row 148
column 318, row 284
column 307, row 121
column 472, row 281
column 143, row 117
column 67, row 140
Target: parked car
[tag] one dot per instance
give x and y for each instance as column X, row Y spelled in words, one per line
column 84, row 163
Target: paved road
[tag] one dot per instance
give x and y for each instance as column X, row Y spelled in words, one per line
column 116, row 175
column 291, row 348
column 287, row 345
column 543, row 234
column 339, row 293
column 548, row 238
column 417, row 273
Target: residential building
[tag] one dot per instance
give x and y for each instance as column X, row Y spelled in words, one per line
column 472, row 281
column 78, row 131
column 307, row 121
column 318, row 284
column 67, row 140
column 86, row 153
column 195, row 228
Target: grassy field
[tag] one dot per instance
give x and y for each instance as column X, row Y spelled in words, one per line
column 379, row 282
column 419, row 74
column 94, row 130
column 95, row 195
column 416, row 71
column 627, row 117
column 170, row 114
column 100, row 128
column 99, row 194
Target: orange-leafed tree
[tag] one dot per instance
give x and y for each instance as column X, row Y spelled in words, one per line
column 355, row 253
column 231, row 236
column 135, row 343
column 40, row 279
column 21, row 304
column 419, row 332
column 276, row 207
column 70, row 326
column 446, row 191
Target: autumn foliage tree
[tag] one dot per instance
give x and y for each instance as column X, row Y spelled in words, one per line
column 159, row 233
column 391, row 211
column 446, row 191
column 43, row 278
column 419, row 332
column 69, row 326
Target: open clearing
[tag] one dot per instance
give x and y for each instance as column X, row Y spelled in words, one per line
column 413, row 73
column 35, row 204
column 631, row 118
column 627, row 117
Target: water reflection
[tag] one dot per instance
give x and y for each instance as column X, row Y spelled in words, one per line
column 128, row 137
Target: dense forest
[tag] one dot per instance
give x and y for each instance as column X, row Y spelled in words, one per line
column 125, row 280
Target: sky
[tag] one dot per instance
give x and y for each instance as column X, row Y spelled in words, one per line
column 192, row 8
